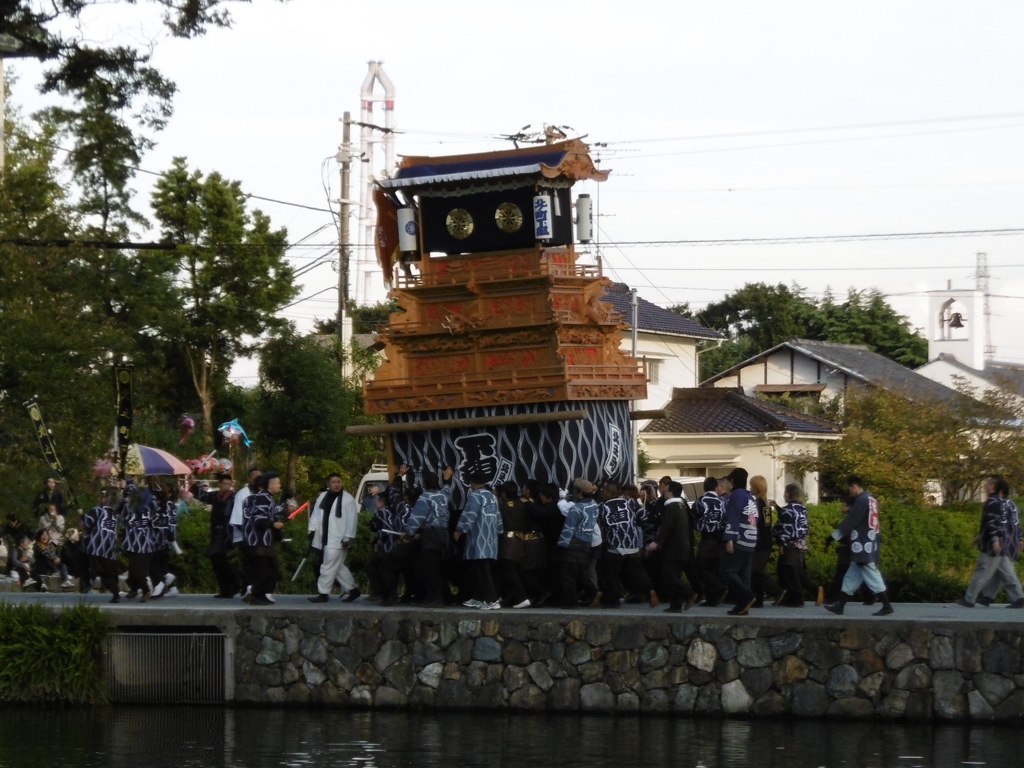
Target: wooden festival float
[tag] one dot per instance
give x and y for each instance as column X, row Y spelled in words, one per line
column 503, row 357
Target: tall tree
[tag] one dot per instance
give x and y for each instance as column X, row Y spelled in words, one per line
column 302, row 399
column 230, row 272
column 758, row 316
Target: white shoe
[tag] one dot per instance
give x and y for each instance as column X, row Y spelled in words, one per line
column 270, row 597
column 172, row 592
column 490, row 606
column 524, row 604
column 29, row 583
column 169, row 579
column 159, row 590
column 67, row 584
column 149, row 585
column 123, row 576
column 471, row 603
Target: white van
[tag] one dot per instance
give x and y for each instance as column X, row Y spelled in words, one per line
column 378, row 475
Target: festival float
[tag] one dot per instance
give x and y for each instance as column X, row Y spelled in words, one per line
column 502, row 357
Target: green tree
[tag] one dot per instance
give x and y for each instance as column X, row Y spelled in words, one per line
column 302, row 400
column 230, row 274
column 757, row 317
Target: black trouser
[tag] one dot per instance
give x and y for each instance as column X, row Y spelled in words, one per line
column 266, row 571
column 228, row 580
column 669, row 576
column 159, row 566
column 736, row 570
column 614, row 570
column 138, row 570
column 793, row 576
column 708, row 566
column 571, row 573
column 511, row 581
column 482, row 580
column 760, row 581
column 109, row 572
column 428, row 565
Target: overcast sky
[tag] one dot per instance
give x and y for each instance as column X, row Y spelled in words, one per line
column 722, row 121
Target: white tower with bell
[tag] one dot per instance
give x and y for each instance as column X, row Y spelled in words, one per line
column 956, row 326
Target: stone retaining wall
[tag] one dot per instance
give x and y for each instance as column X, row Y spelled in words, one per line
column 624, row 664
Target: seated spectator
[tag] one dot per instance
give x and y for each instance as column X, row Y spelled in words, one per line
column 47, row 559
column 22, row 565
column 53, row 522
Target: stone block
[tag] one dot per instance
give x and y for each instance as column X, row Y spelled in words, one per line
column 790, row 670
column 899, row 657
column 702, row 655
column 489, row 628
column 1001, row 659
column 388, row 654
column 453, row 694
column 727, row 647
column 578, row 653
column 628, row 636
column 949, row 699
column 709, row 699
column 851, row 708
column 528, row 698
column 460, row 651
column 978, row 708
column 855, row 638
column 564, row 695
column 539, row 674
column 735, row 698
column 784, row 645
column 842, row 681
column 340, row 676
column 430, row 675
column 686, row 698
column 597, row 697
column 1012, row 707
column 808, row 699
column 968, row 652
column 993, row 688
column 401, row 675
column 368, row 675
column 591, row 672
column 653, row 656
column 821, row 652
column 514, row 678
column 424, row 653
column 656, row 701
column 627, row 702
column 757, row 681
column 312, row 674
column 347, row 657
column 271, row 652
column 539, row 651
column 365, row 642
column 515, row 653
column 754, row 653
column 576, row 629
column 289, row 673
column 338, row 631
column 894, row 705
column 387, row 697
column 727, row 670
column 599, row 633
column 769, row 704
column 917, row 676
column 314, row 649
column 291, row 637
column 866, row 661
column 621, row 661
column 656, row 630
column 873, row 686
column 469, row 628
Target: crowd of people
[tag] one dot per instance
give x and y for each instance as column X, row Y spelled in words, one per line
column 597, row 546
column 600, row 546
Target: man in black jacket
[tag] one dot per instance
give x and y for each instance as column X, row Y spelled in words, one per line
column 673, row 542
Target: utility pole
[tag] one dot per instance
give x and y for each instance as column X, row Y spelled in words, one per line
column 345, row 157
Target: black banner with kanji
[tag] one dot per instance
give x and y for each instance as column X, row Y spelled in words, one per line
column 48, row 448
column 123, row 388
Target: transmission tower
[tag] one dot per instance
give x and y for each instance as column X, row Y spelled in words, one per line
column 981, row 276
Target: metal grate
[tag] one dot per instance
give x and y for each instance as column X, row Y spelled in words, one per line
column 166, row 668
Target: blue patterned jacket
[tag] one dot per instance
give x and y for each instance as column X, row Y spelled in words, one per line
column 480, row 521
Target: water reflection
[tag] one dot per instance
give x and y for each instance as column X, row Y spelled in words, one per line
column 154, row 737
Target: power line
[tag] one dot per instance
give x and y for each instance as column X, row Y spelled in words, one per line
column 1009, row 231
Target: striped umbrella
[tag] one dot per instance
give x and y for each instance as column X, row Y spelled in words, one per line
column 143, row 460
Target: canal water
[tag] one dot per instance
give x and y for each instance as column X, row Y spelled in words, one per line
column 214, row 737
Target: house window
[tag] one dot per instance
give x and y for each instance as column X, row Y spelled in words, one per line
column 652, row 365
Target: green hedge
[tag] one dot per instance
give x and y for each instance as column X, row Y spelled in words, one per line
column 927, row 552
column 51, row 657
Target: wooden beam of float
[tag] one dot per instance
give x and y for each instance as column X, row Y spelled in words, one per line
column 482, row 421
column 654, row 413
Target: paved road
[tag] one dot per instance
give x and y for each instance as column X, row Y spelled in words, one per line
column 926, row 613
